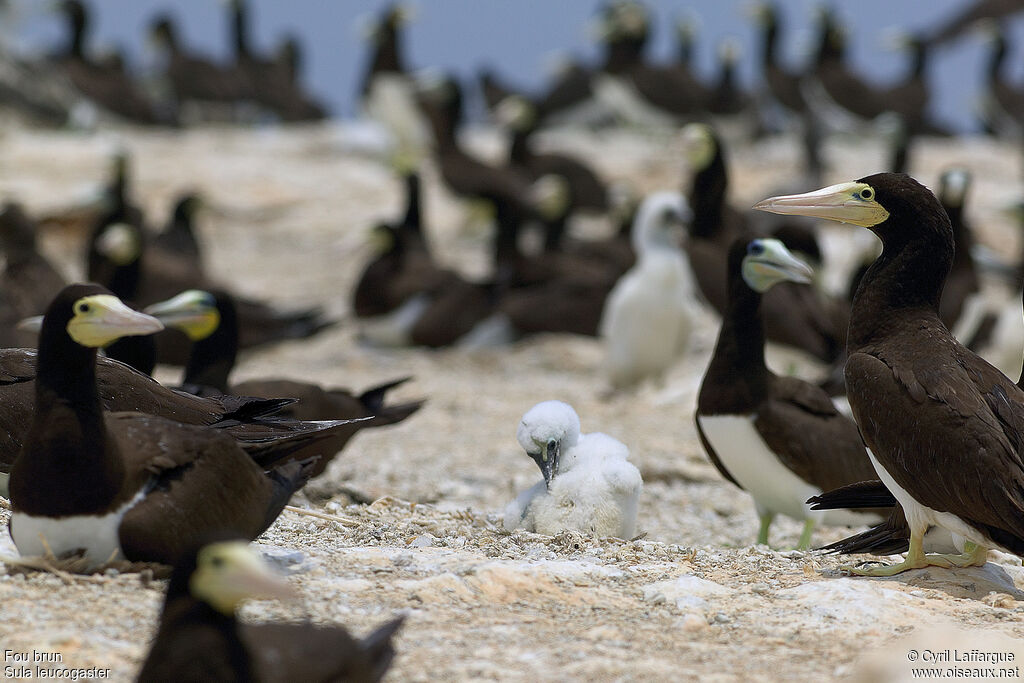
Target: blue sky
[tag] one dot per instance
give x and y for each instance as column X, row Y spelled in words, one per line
column 519, row 38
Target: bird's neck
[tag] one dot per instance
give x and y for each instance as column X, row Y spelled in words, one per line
column 413, row 210
column 519, row 151
column 905, row 281
column 186, row 613
column 388, row 56
column 76, row 44
column 920, row 62
column 623, row 55
column 707, row 197
column 684, row 53
column 66, row 448
column 213, row 358
column 738, row 360
column 240, row 32
column 768, row 47
column 995, row 62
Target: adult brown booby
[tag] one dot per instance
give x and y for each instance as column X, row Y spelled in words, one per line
column 210, row 321
column 137, row 267
column 944, row 427
column 1003, row 104
column 126, row 484
column 194, row 80
column 774, row 437
column 28, row 282
column 404, row 297
column 795, row 315
column 104, row 82
column 586, row 191
column 200, row 639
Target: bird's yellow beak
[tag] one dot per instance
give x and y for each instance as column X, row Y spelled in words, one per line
column 847, row 203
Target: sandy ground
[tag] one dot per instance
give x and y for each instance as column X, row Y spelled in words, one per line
column 692, row 599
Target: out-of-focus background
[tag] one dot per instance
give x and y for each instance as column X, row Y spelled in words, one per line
column 526, row 39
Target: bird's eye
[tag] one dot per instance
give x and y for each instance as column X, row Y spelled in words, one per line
column 83, row 308
column 217, row 561
column 866, row 193
column 755, row 248
column 551, row 444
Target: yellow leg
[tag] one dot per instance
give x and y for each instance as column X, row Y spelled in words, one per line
column 805, row 536
column 762, row 533
column 916, row 558
column 973, row 555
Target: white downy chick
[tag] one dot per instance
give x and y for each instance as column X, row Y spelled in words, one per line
column 589, row 484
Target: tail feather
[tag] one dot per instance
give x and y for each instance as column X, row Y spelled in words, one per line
column 239, row 409
column 270, row 442
column 378, row 648
column 373, row 401
column 260, row 323
column 373, row 398
column 864, row 494
column 286, row 479
column 881, row 539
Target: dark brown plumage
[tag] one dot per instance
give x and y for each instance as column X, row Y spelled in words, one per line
column 404, row 273
column 968, row 417
column 193, row 78
column 169, row 482
column 143, row 269
column 945, row 427
column 106, row 83
column 794, row 315
column 586, row 191
column 213, row 357
column 28, row 282
column 123, row 389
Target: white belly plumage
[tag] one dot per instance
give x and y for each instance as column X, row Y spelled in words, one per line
column 920, row 517
column 755, row 467
column 96, row 534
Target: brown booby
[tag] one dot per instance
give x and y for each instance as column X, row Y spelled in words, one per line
column 124, row 257
column 28, row 282
column 103, row 82
column 270, row 80
column 795, row 315
column 210, row 321
column 779, row 438
column 586, row 190
column 635, row 90
column 783, row 84
column 838, row 85
column 129, row 485
column 1003, row 104
column 200, row 639
column 944, row 427
column 403, row 297
column 200, row 87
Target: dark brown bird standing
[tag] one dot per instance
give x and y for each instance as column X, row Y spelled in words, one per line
column 945, row 428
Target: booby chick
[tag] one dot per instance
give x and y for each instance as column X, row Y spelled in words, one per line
column 200, row 638
column 126, row 484
column 589, row 484
column 649, row 314
column 944, row 427
column 779, row 438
